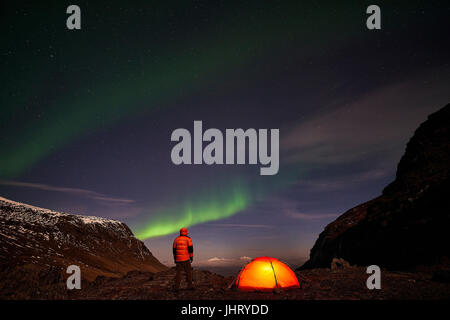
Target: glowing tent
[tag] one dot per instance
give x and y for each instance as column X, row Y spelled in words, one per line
column 266, row 274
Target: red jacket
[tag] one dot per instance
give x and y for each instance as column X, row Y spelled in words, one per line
column 183, row 248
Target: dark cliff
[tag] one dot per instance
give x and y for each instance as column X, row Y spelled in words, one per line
column 408, row 225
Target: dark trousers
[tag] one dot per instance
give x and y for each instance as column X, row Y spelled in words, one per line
column 186, row 266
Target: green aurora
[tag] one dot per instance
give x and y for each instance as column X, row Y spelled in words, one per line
column 213, row 204
column 210, row 208
column 169, row 73
column 165, row 76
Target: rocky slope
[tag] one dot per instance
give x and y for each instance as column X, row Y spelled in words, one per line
column 348, row 283
column 408, row 225
column 37, row 245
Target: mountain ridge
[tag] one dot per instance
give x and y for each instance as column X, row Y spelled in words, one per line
column 35, row 240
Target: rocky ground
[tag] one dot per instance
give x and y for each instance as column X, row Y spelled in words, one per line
column 341, row 283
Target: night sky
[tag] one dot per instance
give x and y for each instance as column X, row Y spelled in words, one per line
column 87, row 115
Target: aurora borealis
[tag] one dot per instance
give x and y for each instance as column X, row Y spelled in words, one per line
column 86, row 116
column 184, row 65
column 170, row 220
column 210, row 205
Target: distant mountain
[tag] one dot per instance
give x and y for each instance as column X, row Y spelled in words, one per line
column 408, row 225
column 36, row 243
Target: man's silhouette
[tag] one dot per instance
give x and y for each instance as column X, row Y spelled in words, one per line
column 183, row 255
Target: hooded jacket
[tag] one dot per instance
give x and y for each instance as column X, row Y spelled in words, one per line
column 183, row 248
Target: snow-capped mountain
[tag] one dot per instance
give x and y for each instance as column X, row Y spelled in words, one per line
column 41, row 239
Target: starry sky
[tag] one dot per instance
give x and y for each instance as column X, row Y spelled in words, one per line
column 87, row 115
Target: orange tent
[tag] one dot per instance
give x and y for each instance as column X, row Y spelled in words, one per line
column 266, row 274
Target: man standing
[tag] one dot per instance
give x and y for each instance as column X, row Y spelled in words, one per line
column 183, row 255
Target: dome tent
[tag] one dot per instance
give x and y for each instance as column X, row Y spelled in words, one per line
column 266, row 274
